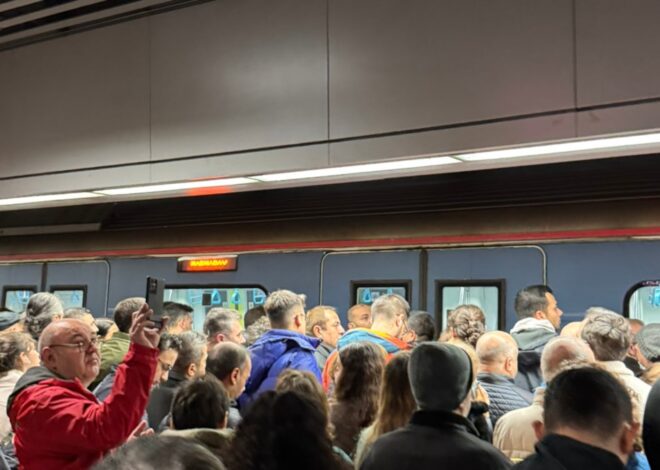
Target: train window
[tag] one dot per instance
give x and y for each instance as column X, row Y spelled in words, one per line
column 16, row 298
column 485, row 294
column 365, row 292
column 70, row 296
column 204, row 298
column 642, row 302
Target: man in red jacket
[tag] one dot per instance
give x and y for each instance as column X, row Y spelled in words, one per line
column 58, row 423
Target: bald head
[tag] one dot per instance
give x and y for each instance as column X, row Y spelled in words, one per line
column 68, row 348
column 359, row 316
column 572, row 329
column 564, row 353
column 57, row 330
column 498, row 353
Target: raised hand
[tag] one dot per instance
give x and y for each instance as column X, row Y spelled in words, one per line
column 143, row 331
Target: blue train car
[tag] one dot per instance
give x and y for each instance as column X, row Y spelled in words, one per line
column 619, row 275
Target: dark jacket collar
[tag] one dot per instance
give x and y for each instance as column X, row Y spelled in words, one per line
column 325, row 349
column 568, row 453
column 495, row 379
column 443, row 420
column 174, row 379
column 33, row 376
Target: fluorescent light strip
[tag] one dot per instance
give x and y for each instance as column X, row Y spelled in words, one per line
column 157, row 188
column 607, row 143
column 14, row 201
column 357, row 169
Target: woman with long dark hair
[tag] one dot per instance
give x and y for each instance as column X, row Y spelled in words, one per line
column 355, row 400
column 396, row 406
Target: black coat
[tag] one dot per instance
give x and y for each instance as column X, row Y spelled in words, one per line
column 652, row 426
column 556, row 452
column 161, row 399
column 434, row 440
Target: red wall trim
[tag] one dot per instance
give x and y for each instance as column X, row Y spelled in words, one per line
column 598, row 234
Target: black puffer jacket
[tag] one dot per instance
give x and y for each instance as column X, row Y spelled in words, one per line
column 504, row 395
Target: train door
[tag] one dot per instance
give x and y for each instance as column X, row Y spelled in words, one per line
column 18, row 282
column 360, row 277
column 487, row 277
column 80, row 284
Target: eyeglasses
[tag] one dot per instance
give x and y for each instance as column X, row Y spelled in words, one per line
column 81, row 346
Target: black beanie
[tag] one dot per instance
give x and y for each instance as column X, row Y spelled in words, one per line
column 440, row 376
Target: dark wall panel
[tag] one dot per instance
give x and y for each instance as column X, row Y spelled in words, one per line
column 238, row 75
column 398, row 64
column 75, row 102
column 618, row 51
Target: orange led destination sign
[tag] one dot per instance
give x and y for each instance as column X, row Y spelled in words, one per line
column 207, row 264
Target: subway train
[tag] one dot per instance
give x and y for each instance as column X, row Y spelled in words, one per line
column 586, row 229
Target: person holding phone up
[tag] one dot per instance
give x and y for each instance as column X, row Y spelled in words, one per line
column 58, row 423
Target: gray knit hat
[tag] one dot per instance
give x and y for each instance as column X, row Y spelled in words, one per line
column 648, row 342
column 440, row 376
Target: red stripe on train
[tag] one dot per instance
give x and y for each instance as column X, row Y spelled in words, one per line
column 338, row 244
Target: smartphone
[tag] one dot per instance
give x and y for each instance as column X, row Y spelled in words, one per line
column 154, row 296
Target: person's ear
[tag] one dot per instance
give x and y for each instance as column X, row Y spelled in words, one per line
column 316, row 331
column 48, row 358
column 508, row 364
column 629, row 433
column 540, row 315
column 233, row 376
column 350, row 325
column 191, row 370
column 539, row 429
column 297, row 321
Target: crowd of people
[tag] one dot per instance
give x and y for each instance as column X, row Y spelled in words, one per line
column 285, row 387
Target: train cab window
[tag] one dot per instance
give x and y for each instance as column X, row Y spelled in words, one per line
column 365, row 292
column 71, row 296
column 204, row 298
column 487, row 295
column 643, row 302
column 16, row 298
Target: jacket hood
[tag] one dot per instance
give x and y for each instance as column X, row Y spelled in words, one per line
column 440, row 419
column 281, row 340
column 33, row 376
column 533, row 339
column 390, row 343
column 271, row 346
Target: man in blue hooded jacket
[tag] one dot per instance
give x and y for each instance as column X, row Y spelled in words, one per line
column 285, row 346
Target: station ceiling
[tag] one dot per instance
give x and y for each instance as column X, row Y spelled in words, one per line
column 614, row 179
column 27, row 21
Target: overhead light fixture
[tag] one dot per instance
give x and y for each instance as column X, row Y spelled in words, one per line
column 159, row 188
column 357, row 169
column 606, row 143
column 15, row 201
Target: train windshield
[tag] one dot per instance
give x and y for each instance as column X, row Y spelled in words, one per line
column 70, row 297
column 16, row 298
column 488, row 298
column 644, row 302
column 204, row 298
